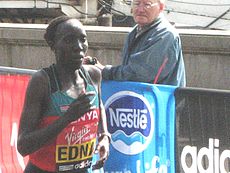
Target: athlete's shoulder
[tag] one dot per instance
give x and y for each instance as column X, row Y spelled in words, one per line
column 94, row 72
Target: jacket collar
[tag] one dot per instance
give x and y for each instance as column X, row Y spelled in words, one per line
column 140, row 30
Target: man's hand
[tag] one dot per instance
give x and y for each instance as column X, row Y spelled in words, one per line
column 93, row 61
column 90, row 60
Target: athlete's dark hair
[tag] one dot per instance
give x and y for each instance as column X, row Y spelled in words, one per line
column 52, row 27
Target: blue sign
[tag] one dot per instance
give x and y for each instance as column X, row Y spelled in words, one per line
column 141, row 120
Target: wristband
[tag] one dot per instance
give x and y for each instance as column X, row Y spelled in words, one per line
column 101, row 135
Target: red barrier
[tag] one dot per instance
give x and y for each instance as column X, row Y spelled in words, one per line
column 12, row 93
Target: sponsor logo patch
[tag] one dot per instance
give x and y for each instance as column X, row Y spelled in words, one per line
column 130, row 121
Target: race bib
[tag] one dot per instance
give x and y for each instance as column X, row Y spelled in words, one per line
column 75, row 145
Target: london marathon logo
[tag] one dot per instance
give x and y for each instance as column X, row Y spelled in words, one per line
column 130, row 121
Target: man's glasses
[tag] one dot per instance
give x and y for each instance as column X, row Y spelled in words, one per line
column 146, row 5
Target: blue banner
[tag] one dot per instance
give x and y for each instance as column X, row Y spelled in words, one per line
column 141, row 119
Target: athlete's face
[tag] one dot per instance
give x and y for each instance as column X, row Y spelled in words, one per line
column 70, row 43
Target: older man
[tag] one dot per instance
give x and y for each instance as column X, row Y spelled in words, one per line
column 152, row 52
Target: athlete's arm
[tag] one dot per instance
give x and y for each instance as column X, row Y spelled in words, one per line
column 31, row 137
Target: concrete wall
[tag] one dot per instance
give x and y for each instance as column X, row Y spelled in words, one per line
column 206, row 53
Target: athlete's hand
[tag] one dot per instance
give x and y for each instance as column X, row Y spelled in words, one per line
column 103, row 150
column 79, row 107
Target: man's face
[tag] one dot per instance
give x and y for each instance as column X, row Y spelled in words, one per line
column 70, row 43
column 146, row 11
